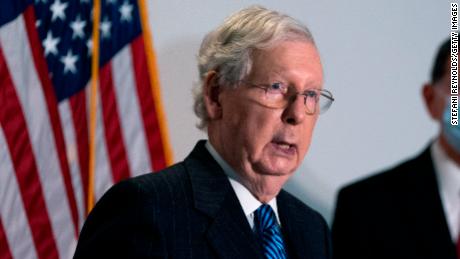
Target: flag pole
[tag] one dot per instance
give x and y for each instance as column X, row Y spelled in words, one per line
column 154, row 82
column 93, row 102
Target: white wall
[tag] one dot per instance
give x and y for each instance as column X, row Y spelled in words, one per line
column 376, row 56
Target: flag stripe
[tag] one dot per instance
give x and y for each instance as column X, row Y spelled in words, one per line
column 113, row 135
column 4, row 247
column 44, row 118
column 103, row 179
column 51, row 103
column 19, row 145
column 12, row 212
column 130, row 116
column 65, row 114
column 78, row 108
column 37, row 123
column 150, row 119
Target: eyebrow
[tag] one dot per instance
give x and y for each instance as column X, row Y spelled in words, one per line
column 279, row 74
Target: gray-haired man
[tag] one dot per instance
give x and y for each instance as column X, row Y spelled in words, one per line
column 260, row 96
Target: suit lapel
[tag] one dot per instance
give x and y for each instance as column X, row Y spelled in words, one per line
column 294, row 227
column 228, row 232
column 426, row 210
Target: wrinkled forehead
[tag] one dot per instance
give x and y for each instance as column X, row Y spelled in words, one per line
column 287, row 61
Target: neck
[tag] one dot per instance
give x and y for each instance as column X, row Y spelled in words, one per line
column 263, row 187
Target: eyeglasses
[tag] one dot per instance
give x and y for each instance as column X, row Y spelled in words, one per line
column 279, row 95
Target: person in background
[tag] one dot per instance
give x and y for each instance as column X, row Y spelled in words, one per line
column 413, row 209
column 260, row 96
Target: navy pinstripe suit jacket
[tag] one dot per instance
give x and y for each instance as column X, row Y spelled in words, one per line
column 189, row 210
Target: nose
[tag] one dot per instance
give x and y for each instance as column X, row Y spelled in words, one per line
column 295, row 112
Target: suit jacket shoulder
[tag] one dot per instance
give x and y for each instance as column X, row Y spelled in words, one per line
column 395, row 179
column 185, row 211
column 189, row 210
column 128, row 221
column 394, row 214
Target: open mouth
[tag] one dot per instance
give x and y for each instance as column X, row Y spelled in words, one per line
column 285, row 147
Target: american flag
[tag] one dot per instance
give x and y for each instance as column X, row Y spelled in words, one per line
column 46, row 50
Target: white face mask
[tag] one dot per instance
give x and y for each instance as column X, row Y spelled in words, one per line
column 451, row 132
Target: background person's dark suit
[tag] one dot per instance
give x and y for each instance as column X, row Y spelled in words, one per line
column 190, row 211
column 395, row 214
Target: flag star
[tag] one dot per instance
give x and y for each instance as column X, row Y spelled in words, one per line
column 38, row 23
column 111, row 1
column 105, row 28
column 50, row 44
column 58, row 10
column 69, row 61
column 126, row 10
column 77, row 28
column 89, row 45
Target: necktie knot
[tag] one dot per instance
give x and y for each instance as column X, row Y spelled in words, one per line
column 265, row 217
column 269, row 232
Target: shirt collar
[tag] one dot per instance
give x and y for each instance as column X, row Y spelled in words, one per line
column 448, row 175
column 248, row 202
column 447, row 170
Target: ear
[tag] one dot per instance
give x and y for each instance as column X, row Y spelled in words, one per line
column 211, row 91
column 432, row 101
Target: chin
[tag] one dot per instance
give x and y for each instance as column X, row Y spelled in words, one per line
column 275, row 169
column 281, row 166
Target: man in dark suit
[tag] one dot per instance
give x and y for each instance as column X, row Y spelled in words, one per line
column 413, row 209
column 260, row 96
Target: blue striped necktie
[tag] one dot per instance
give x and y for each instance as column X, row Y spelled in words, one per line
column 269, row 232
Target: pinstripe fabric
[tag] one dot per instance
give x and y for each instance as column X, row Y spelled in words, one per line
column 269, row 233
column 190, row 210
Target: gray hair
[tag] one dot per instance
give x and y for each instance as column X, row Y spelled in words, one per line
column 228, row 49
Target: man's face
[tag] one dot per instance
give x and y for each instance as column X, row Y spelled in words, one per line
column 437, row 100
column 258, row 141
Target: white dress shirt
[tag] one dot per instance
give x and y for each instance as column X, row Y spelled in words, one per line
column 448, row 174
column 248, row 202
